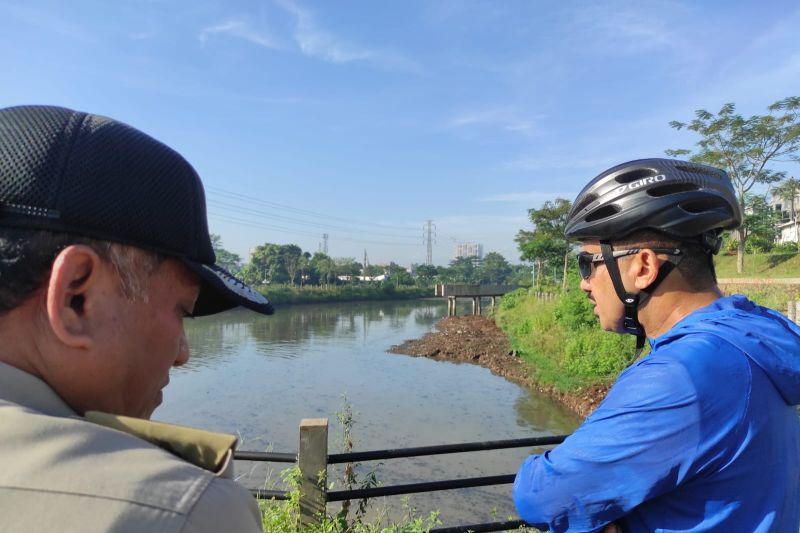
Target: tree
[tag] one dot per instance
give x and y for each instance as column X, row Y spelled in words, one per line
column 227, row 260
column 425, row 275
column 461, row 270
column 291, row 255
column 788, row 191
column 546, row 244
column 324, row 267
column 760, row 223
column 745, row 147
column 347, row 266
column 493, row 270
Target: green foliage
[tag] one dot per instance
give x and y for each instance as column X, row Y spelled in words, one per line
column 573, row 310
column 590, row 353
column 761, row 223
column 227, row 260
column 561, row 339
column 494, row 269
column 285, row 294
column 284, row 516
column 546, row 245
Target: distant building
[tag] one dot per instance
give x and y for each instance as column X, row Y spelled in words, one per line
column 789, row 210
column 470, row 249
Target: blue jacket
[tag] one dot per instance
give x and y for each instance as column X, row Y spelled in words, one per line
column 700, row 435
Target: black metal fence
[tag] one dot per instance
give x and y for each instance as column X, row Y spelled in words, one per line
column 313, row 455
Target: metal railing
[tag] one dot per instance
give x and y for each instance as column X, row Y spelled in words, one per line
column 313, row 459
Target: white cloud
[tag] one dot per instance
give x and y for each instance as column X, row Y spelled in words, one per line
column 316, row 42
column 504, row 118
column 625, row 27
column 241, row 28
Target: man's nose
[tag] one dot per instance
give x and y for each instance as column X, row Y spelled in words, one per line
column 585, row 285
column 183, row 351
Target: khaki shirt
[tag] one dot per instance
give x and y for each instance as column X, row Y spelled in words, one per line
column 60, row 472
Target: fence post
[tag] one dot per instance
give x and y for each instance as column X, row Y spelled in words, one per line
column 791, row 307
column 312, row 458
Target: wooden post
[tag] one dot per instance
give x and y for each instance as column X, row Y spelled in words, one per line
column 312, row 458
column 493, row 301
column 455, row 304
column 791, row 307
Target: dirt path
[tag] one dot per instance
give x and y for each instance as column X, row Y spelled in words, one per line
column 477, row 340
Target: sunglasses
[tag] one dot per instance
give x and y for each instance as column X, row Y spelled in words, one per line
column 587, row 259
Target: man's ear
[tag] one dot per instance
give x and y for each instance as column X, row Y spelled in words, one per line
column 75, row 280
column 644, row 268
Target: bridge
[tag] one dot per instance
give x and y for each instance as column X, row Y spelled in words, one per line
column 454, row 291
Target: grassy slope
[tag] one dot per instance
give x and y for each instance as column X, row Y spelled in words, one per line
column 760, row 266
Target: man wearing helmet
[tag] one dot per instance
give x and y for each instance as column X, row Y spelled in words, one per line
column 703, row 433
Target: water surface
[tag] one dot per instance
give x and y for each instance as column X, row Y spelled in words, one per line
column 258, row 376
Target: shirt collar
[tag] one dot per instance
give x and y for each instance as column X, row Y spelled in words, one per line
column 19, row 387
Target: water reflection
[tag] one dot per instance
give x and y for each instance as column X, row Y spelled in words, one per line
column 259, row 376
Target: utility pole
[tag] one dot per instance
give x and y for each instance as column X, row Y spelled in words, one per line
column 366, row 262
column 325, row 243
column 430, row 235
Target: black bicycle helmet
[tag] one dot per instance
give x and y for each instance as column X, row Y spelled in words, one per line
column 687, row 201
column 679, row 198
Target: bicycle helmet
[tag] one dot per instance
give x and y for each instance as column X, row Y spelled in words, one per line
column 687, row 201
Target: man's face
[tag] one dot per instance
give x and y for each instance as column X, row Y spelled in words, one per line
column 142, row 339
column 600, row 290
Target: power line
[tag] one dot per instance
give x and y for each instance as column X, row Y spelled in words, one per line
column 239, row 209
column 250, row 199
column 228, row 218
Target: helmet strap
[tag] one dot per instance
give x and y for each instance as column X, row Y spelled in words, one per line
column 631, row 301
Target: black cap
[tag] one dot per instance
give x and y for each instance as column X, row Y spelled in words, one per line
column 71, row 172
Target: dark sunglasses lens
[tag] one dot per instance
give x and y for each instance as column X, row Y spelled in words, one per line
column 585, row 264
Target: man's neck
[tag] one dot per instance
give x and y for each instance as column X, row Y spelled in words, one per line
column 665, row 309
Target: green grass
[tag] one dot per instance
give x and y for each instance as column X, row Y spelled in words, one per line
column 785, row 265
column 562, row 341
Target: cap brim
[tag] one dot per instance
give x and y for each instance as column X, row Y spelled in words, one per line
column 220, row 291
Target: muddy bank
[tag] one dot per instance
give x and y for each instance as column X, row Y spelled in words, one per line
column 477, row 340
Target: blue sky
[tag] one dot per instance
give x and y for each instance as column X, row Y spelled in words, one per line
column 364, row 119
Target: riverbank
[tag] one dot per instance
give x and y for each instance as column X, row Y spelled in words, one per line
column 477, row 340
column 311, row 294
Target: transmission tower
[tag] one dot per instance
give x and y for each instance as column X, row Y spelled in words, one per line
column 325, row 243
column 430, row 236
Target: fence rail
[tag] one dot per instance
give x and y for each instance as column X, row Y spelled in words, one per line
column 313, row 458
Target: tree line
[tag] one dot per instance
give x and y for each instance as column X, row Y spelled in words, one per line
column 288, row 264
column 746, row 148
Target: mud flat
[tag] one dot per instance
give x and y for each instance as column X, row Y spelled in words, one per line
column 477, row 340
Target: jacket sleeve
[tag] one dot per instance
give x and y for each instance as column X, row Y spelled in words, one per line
column 641, row 442
column 224, row 506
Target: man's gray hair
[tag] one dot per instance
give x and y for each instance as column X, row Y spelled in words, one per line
column 26, row 260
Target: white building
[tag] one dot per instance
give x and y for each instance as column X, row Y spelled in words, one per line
column 469, row 249
column 788, row 226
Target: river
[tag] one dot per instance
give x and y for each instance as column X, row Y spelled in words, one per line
column 257, row 376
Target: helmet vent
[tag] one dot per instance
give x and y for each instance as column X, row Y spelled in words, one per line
column 603, row 212
column 635, row 174
column 699, row 170
column 588, row 199
column 672, row 188
column 704, row 205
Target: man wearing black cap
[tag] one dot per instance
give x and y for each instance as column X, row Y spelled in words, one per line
column 104, row 249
